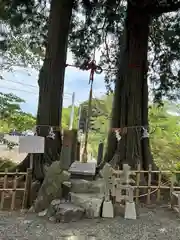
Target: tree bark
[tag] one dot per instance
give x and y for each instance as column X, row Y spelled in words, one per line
column 51, row 85
column 130, row 107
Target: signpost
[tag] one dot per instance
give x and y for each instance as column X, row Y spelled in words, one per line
column 31, row 144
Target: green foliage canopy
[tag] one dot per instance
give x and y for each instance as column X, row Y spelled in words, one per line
column 12, row 117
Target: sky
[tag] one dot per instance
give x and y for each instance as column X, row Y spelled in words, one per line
column 23, row 83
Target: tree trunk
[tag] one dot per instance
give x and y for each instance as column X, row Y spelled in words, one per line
column 51, row 85
column 130, row 107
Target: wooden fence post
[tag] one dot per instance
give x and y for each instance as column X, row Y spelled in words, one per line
column 4, row 188
column 13, row 200
column 159, row 186
column 149, row 184
column 27, row 199
column 138, row 182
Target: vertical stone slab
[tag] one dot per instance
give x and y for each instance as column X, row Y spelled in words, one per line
column 78, row 146
column 100, row 153
column 69, row 148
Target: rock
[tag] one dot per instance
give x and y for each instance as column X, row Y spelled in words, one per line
column 92, row 203
column 52, row 219
column 31, row 210
column 51, row 187
column 65, row 212
column 35, row 189
column 55, row 202
column 43, row 213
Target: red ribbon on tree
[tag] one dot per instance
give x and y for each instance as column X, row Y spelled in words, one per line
column 89, row 65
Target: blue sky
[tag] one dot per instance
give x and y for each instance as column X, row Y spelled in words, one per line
column 23, row 82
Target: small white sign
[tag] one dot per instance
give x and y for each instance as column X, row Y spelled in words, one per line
column 31, row 144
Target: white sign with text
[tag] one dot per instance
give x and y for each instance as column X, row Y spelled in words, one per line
column 11, row 138
column 31, row 144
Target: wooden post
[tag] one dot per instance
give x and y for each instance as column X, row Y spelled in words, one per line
column 31, row 161
column 27, row 200
column 172, row 185
column 138, row 182
column 78, row 147
column 13, row 200
column 4, row 187
column 149, row 185
column 159, row 186
column 179, row 204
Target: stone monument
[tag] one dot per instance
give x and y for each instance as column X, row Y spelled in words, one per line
column 123, row 183
column 107, row 208
column 69, row 148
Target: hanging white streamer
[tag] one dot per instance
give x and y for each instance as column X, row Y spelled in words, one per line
column 34, row 130
column 51, row 133
column 118, row 136
column 145, row 133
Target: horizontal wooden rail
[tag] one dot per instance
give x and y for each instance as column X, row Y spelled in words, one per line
column 145, row 171
column 151, row 187
column 13, row 173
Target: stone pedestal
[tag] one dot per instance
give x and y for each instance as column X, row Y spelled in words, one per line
column 130, row 210
column 107, row 210
column 83, row 170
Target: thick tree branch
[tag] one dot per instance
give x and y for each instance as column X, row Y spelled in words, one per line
column 171, row 6
column 156, row 7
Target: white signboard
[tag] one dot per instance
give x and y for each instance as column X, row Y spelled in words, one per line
column 11, row 138
column 31, row 144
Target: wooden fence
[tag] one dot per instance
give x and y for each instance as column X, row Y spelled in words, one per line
column 15, row 189
column 165, row 183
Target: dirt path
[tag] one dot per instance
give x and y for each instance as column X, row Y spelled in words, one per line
column 156, row 224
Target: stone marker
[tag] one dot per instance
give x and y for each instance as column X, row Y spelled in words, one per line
column 108, row 210
column 85, row 169
column 107, row 173
column 130, row 210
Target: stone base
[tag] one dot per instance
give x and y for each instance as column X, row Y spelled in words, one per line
column 92, row 203
column 80, row 176
column 107, row 210
column 130, row 210
column 64, row 212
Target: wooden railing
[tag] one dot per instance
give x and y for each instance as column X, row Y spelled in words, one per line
column 15, row 188
column 150, row 187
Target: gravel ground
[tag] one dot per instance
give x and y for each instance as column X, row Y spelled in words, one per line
column 157, row 223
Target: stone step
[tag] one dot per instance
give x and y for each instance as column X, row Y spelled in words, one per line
column 61, row 211
column 84, row 186
column 90, row 202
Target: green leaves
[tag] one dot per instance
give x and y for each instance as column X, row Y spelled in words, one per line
column 11, row 114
